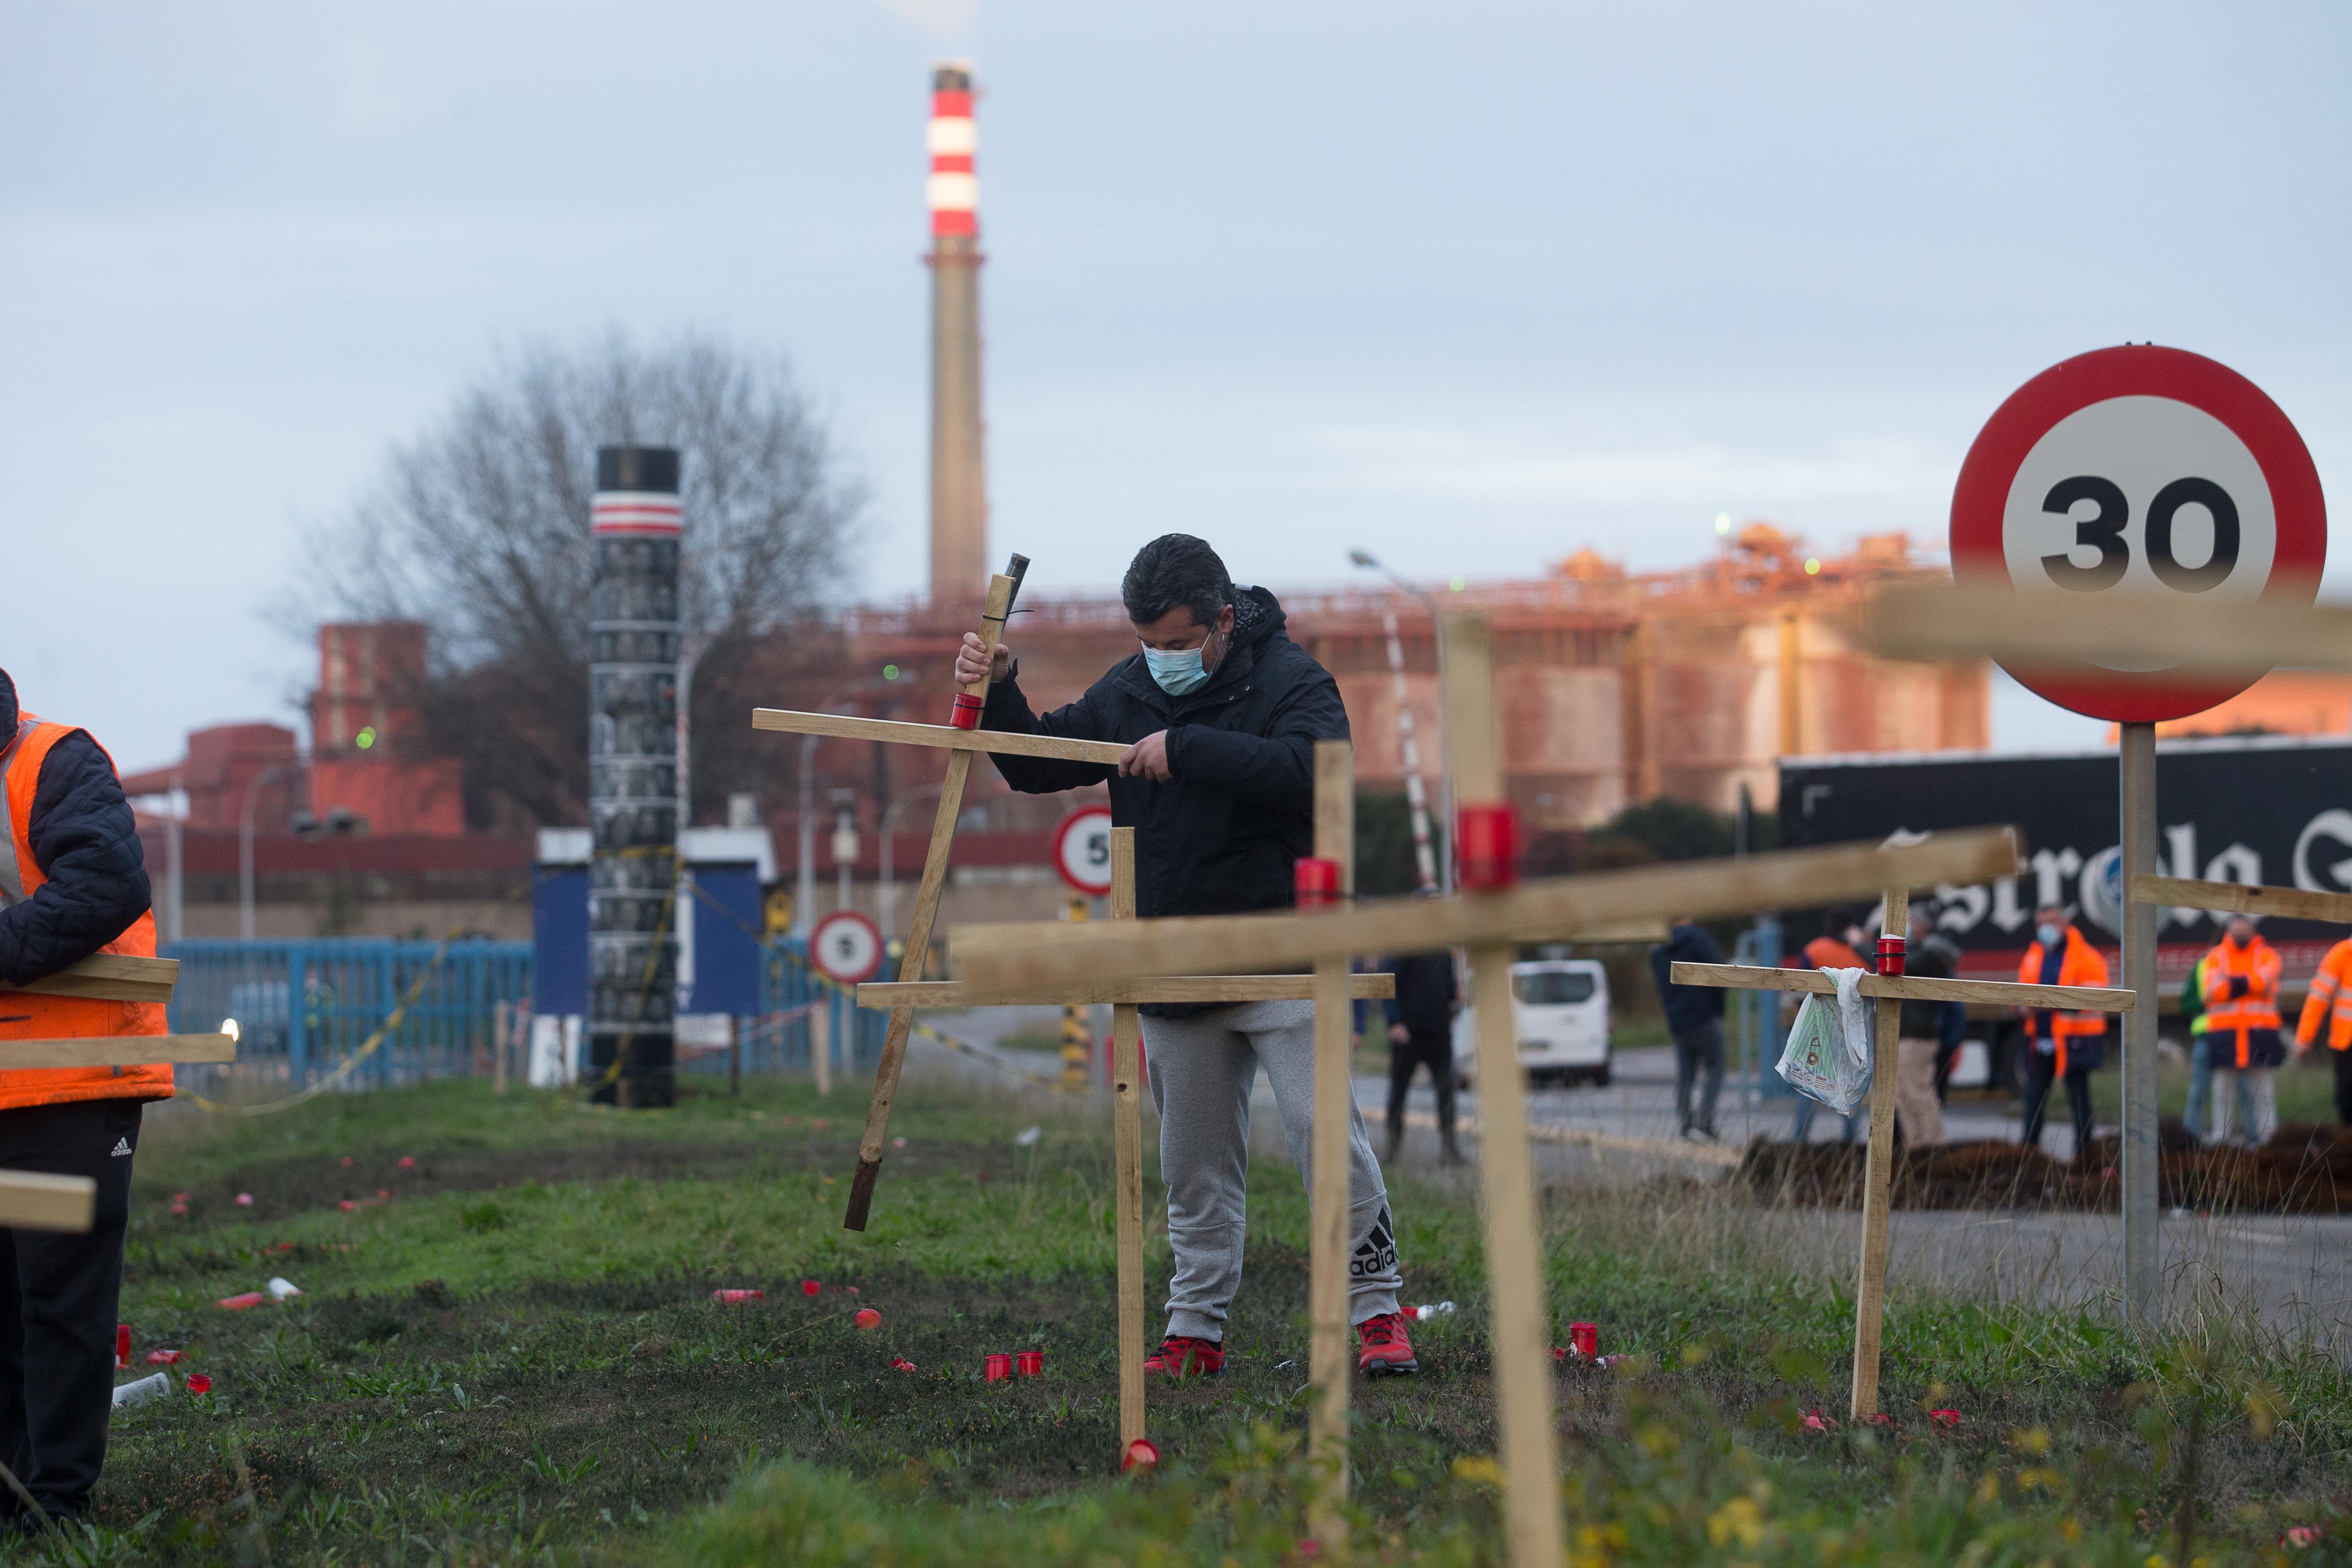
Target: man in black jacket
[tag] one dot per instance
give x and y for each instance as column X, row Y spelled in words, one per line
column 1220, row 711
column 72, row 880
column 1695, row 1018
column 1421, row 1033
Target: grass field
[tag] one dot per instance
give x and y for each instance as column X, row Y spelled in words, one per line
column 516, row 1358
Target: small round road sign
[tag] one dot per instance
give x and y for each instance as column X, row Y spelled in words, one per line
column 846, row 947
column 2153, row 471
column 1082, row 850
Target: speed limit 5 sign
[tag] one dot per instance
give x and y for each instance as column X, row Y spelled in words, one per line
column 2143, row 470
column 1082, row 850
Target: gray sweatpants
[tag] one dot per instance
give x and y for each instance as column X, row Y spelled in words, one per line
column 1201, row 1071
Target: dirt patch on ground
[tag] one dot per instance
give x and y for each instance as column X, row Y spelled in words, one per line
column 2301, row 1170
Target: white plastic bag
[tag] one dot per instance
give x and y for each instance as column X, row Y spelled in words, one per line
column 1828, row 1054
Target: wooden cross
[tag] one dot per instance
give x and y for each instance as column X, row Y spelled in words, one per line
column 1890, row 992
column 1491, row 923
column 33, row 1200
column 1334, row 825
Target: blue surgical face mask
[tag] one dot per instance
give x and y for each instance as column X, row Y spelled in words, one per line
column 2051, row 934
column 1178, row 672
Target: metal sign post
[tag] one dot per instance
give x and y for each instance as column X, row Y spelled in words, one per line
column 2143, row 1242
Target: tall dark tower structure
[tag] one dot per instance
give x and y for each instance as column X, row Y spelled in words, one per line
column 959, row 460
column 633, row 806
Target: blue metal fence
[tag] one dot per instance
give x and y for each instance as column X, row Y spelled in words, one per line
column 348, row 987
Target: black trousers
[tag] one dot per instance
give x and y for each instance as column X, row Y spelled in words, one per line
column 1434, row 1049
column 2039, row 1071
column 2342, row 1087
column 58, row 1299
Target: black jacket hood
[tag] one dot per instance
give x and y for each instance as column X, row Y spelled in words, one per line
column 7, row 708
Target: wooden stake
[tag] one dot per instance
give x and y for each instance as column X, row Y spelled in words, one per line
column 1018, row 959
column 882, row 994
column 844, row 726
column 1520, row 1315
column 1330, row 1366
column 109, row 977
column 2197, row 637
column 117, row 1050
column 1870, row 1290
column 1126, row 1138
column 499, row 1047
column 820, row 1030
column 35, row 1200
column 1001, row 589
column 2286, row 903
column 1909, row 987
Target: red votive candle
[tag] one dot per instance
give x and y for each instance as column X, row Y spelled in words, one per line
column 1315, row 880
column 1486, row 847
column 966, row 713
column 999, row 1367
column 1033, row 1364
column 1585, row 1340
column 1890, row 954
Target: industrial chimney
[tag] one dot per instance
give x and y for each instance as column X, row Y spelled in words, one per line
column 959, row 471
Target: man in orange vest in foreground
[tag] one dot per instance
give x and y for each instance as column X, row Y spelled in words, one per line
column 73, row 881
column 2330, row 1003
column 2241, row 1025
column 2064, row 1046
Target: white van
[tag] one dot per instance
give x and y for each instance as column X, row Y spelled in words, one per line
column 1560, row 1011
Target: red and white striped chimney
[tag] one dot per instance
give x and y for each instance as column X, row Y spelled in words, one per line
column 959, row 460
column 954, row 189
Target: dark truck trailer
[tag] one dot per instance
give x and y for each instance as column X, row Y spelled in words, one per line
column 2247, row 809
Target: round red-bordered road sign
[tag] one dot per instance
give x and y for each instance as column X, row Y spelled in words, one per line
column 846, row 947
column 1082, row 850
column 2144, row 469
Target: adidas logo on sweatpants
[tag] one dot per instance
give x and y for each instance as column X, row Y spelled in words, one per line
column 121, row 1147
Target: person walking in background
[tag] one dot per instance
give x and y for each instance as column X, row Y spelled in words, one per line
column 1420, row 1034
column 73, row 881
column 1919, row 1115
column 2242, row 1033
column 2329, row 1010
column 2063, row 1047
column 1695, row 1018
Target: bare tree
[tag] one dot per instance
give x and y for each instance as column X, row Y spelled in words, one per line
column 480, row 530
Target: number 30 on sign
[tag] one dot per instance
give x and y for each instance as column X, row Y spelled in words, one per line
column 2148, row 471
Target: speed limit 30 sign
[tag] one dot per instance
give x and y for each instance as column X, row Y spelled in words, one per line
column 2145, row 470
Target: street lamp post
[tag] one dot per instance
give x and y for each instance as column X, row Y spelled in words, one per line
column 1414, row 791
column 245, row 847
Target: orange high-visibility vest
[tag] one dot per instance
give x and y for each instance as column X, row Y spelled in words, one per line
column 2330, row 998
column 23, row 1015
column 2258, row 964
column 2082, row 966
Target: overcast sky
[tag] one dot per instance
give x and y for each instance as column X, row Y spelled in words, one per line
column 1468, row 285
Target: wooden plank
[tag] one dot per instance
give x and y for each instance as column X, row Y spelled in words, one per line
column 109, row 977
column 117, row 1050
column 35, row 1201
column 1878, row 1181
column 999, row 604
column 1016, row 960
column 2287, row 903
column 897, row 733
column 1127, row 1141
column 1910, row 987
column 1330, row 1367
column 2174, row 632
column 1521, row 1314
column 882, row 994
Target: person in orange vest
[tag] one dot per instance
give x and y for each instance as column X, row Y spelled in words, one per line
column 73, row 881
column 2064, row 1046
column 2241, row 1025
column 2330, row 1003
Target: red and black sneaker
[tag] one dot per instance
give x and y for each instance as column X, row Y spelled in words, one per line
column 1182, row 1355
column 1384, row 1348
